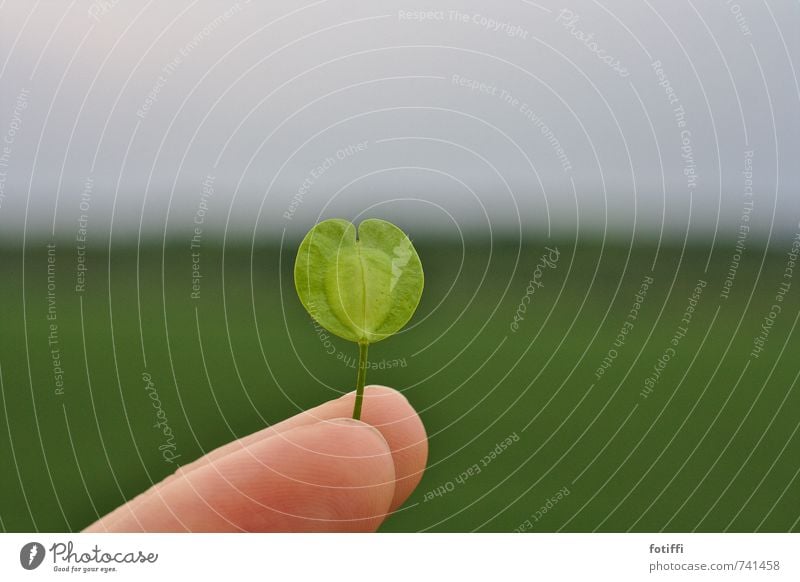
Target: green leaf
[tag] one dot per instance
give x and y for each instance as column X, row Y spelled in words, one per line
column 362, row 289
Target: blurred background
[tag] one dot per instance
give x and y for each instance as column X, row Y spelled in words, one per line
column 604, row 197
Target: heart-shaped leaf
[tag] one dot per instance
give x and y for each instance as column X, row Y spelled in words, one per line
column 363, row 289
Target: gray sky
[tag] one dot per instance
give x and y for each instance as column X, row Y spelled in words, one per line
column 486, row 115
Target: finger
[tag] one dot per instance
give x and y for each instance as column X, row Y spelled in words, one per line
column 335, row 475
column 384, row 408
column 391, row 413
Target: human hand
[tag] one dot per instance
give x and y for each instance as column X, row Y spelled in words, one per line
column 317, row 471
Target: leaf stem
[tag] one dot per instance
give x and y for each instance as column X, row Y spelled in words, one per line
column 361, row 379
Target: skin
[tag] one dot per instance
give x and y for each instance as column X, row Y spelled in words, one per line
column 317, row 471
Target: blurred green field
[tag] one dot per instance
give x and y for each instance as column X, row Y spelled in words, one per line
column 714, row 447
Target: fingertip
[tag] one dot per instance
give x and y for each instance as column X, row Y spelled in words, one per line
column 340, row 476
column 334, row 475
column 392, row 414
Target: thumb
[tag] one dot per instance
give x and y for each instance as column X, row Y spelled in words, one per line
column 332, row 475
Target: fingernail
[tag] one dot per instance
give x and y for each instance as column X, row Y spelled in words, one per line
column 352, row 422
